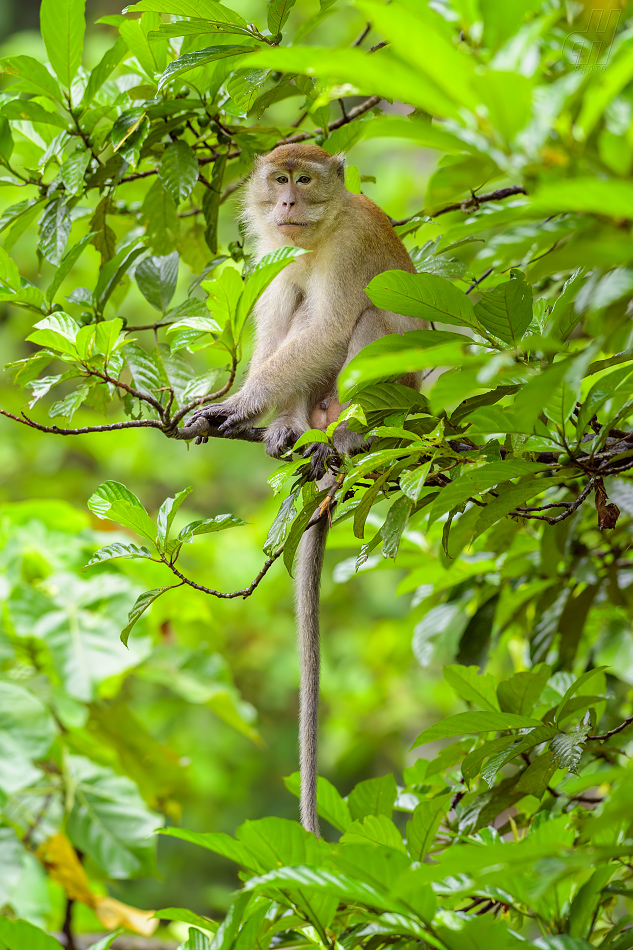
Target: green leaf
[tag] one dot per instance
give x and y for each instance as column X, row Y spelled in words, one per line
column 161, row 218
column 55, row 225
column 474, row 481
column 26, row 721
column 375, row 796
column 178, row 170
column 427, row 296
column 115, row 502
column 330, row 804
column 473, row 685
column 395, row 523
column 112, row 272
column 219, row 843
column 280, row 527
column 207, row 9
column 9, row 273
column 27, row 110
column 200, row 58
column 537, row 776
column 211, row 201
column 117, row 549
column 19, row 934
column 58, row 332
column 6, row 140
column 261, row 277
column 521, row 693
column 167, row 513
column 110, row 822
column 106, row 942
column 103, row 70
column 63, row 25
column 587, row 899
column 474, row 722
column 156, row 278
column 34, row 76
column 67, row 263
column 507, row 310
column 73, row 170
column 573, row 689
column 609, row 197
column 567, row 748
column 209, row 526
column 145, row 600
column 423, row 825
column 186, row 917
column 278, row 13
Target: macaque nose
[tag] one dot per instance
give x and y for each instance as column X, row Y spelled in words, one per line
column 288, row 203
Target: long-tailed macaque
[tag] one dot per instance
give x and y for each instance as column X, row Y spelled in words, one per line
column 310, row 322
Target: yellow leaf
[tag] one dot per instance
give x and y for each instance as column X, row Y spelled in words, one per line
column 113, row 914
column 62, row 864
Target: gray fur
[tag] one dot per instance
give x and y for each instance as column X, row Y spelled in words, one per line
column 307, row 586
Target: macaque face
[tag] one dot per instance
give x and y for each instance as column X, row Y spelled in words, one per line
column 300, row 187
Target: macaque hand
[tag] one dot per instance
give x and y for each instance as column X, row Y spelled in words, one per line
column 227, row 417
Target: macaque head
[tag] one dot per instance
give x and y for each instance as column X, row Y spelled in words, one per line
column 294, row 191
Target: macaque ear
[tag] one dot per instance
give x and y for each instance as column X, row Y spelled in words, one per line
column 340, row 165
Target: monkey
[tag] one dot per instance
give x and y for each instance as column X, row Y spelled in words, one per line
column 309, row 323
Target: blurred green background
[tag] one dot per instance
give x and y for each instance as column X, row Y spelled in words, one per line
column 375, row 696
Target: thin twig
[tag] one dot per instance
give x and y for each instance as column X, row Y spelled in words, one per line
column 359, row 39
column 469, row 204
column 131, row 424
column 322, row 512
column 573, row 506
column 476, row 282
column 611, row 732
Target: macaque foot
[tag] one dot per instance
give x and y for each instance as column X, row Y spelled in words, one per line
column 318, row 453
column 279, row 439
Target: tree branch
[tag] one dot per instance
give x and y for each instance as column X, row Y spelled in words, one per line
column 469, row 204
column 611, row 732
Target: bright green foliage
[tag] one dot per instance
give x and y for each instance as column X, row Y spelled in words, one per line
column 503, row 489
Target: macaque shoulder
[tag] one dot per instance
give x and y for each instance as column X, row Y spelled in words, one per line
column 373, row 244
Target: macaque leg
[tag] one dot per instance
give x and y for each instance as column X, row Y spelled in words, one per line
column 286, row 428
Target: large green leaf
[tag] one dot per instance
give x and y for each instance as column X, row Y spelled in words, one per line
column 474, row 481
column 63, row 26
column 110, row 822
column 114, row 501
column 200, row 58
column 427, row 296
column 33, row 75
column 474, row 722
column 507, row 310
column 178, row 170
column 156, row 278
column 20, row 935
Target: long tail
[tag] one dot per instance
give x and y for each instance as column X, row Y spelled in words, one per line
column 308, row 583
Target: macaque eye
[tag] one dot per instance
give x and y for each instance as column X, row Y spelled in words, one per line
column 282, row 179
column 304, row 179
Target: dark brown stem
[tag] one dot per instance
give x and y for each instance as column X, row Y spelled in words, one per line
column 359, row 39
column 67, row 927
column 476, row 282
column 469, row 204
column 611, row 732
column 132, row 424
column 573, row 506
column 322, row 512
